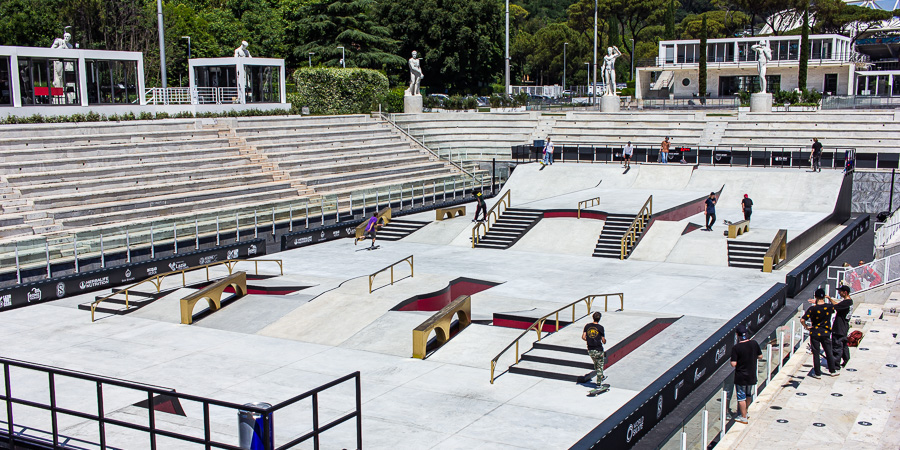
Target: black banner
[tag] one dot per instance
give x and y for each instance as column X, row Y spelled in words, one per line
column 800, row 277
column 79, row 283
column 631, row 422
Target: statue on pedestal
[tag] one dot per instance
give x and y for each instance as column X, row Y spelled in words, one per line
column 59, row 67
column 609, row 70
column 415, row 75
column 763, row 56
column 242, row 52
column 64, row 42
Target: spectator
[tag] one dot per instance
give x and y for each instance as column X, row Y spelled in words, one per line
column 710, row 211
column 664, row 151
column 595, row 337
column 747, row 207
column 548, row 152
column 848, row 161
column 841, row 327
column 869, row 274
column 815, row 158
column 627, row 152
column 817, row 320
column 744, row 355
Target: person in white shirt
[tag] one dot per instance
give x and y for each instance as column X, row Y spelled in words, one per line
column 548, row 154
column 627, row 152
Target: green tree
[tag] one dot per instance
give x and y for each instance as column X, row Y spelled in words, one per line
column 835, row 16
column 670, row 21
column 30, row 22
column 701, row 77
column 461, row 41
column 804, row 50
column 322, row 27
column 720, row 24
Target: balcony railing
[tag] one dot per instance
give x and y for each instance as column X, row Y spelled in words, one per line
column 192, row 96
column 833, row 58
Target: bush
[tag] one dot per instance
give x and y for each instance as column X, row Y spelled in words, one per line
column 95, row 117
column 786, row 97
column 811, row 96
column 328, row 90
column 745, row 98
column 393, row 100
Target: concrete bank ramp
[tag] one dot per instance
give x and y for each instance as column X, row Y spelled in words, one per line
column 770, row 188
column 659, row 241
column 662, row 176
column 564, row 235
column 528, row 183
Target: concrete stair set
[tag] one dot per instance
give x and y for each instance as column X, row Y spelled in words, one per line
column 399, row 229
column 509, row 228
column 748, row 255
column 556, row 362
column 609, row 245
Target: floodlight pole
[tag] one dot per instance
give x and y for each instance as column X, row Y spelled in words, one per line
column 506, row 59
column 162, row 42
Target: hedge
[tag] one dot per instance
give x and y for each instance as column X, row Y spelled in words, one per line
column 91, row 116
column 328, row 90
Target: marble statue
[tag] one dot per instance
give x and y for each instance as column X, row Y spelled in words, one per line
column 242, row 52
column 609, row 70
column 415, row 75
column 763, row 56
column 64, row 42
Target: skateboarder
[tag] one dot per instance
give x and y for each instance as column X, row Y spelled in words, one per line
column 372, row 228
column 595, row 337
column 548, row 154
column 480, row 207
column 710, row 211
column 627, row 152
column 747, row 207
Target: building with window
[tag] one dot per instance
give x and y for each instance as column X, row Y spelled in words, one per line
column 732, row 67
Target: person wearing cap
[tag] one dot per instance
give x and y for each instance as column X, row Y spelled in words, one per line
column 817, row 320
column 664, row 151
column 841, row 327
column 744, row 355
column 747, row 207
column 710, row 211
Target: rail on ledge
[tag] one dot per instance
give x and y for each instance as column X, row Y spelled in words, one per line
column 408, row 259
column 213, row 295
column 440, row 322
column 538, row 325
column 777, row 252
column 637, row 227
column 585, row 204
column 492, row 216
column 157, row 280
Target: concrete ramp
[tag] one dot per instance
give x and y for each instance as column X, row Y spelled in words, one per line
column 567, row 236
column 663, row 176
column 771, row 189
column 659, row 241
column 528, row 183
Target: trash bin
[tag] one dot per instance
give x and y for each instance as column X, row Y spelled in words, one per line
column 250, row 428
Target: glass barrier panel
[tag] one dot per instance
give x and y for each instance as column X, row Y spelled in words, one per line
column 693, row 429
column 714, row 426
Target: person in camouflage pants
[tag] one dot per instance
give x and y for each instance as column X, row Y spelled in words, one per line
column 595, row 337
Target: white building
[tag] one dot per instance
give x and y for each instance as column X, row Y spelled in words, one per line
column 732, row 67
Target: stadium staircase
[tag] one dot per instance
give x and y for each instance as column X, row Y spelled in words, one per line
column 748, row 255
column 609, row 245
column 509, row 228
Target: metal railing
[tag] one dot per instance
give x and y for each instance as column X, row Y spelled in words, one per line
column 826, row 58
column 859, row 102
column 192, row 96
column 886, row 232
column 776, row 253
column 390, row 120
column 538, row 325
column 880, row 272
column 482, row 228
column 108, row 245
column 157, row 280
column 690, row 103
column 212, row 438
column 408, row 259
column 587, row 204
column 637, row 227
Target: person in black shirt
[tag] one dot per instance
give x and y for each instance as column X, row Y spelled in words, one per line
column 817, row 320
column 841, row 327
column 595, row 337
column 744, row 355
column 747, row 207
column 816, row 157
column 710, row 211
column 480, row 207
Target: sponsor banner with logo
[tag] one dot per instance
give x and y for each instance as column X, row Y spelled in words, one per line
column 74, row 284
column 318, row 235
column 808, row 270
column 631, row 422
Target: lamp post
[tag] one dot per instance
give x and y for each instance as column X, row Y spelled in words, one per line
column 310, row 58
column 506, row 59
column 189, row 45
column 632, row 59
column 343, row 61
column 564, row 65
column 162, row 42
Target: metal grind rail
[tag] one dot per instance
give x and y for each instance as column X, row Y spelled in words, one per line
column 390, row 268
column 637, row 226
column 538, row 325
column 152, row 428
column 492, row 216
column 157, row 280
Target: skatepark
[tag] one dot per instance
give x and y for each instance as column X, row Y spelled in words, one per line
column 322, row 316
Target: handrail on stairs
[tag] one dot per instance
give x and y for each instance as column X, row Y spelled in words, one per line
column 637, row 225
column 482, row 228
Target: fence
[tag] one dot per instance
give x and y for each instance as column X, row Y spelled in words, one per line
column 859, row 102
column 192, row 96
column 827, row 58
column 797, row 157
column 108, row 245
column 65, row 384
column 877, row 273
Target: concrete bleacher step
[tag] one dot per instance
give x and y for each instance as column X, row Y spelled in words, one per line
column 80, row 151
column 509, row 228
column 312, row 169
column 125, row 136
column 334, row 144
column 401, row 174
column 362, row 133
column 295, row 128
column 399, row 229
column 106, row 161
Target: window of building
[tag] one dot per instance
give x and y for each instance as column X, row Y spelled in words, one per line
column 721, row 52
column 5, row 82
column 745, row 53
column 686, row 82
column 670, row 53
column 895, row 91
column 731, row 85
column 831, row 83
column 48, row 81
column 263, row 85
column 820, row 49
column 112, row 82
column 688, row 53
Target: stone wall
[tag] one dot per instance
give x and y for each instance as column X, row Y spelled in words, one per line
column 871, row 191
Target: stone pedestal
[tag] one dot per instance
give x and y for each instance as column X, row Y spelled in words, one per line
column 412, row 104
column 610, row 103
column 761, row 102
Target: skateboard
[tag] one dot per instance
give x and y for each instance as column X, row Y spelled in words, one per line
column 374, row 247
column 595, row 392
